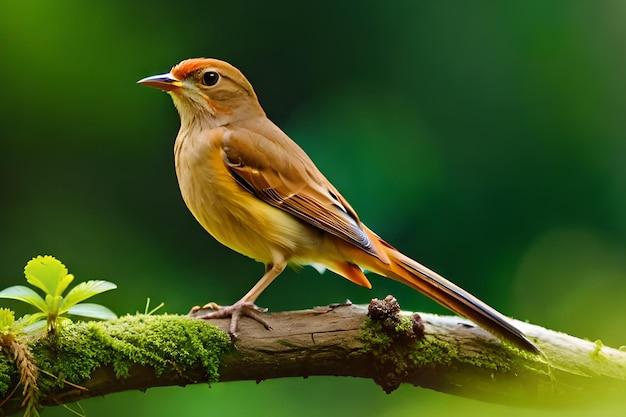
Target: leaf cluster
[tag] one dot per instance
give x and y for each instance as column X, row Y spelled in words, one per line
column 52, row 277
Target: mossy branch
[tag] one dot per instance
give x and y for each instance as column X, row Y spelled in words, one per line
column 444, row 353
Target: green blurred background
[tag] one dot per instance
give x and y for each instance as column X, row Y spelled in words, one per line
column 485, row 138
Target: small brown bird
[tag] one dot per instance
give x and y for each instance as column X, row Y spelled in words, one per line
column 257, row 192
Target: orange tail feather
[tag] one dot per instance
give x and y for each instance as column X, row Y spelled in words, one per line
column 413, row 274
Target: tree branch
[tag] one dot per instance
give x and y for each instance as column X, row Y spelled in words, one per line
column 444, row 353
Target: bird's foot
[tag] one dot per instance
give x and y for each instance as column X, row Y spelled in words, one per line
column 240, row 309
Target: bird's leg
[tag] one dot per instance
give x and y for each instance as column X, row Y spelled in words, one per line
column 245, row 306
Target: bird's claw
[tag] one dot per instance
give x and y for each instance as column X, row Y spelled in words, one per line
column 235, row 312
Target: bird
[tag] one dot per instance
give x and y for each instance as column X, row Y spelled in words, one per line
column 257, row 192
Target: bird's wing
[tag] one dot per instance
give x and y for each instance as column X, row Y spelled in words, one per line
column 276, row 170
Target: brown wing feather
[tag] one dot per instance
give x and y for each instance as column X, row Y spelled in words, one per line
column 277, row 171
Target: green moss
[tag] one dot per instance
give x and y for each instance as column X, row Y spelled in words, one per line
column 374, row 338
column 431, row 352
column 8, row 374
column 398, row 351
column 162, row 342
column 403, row 325
column 395, row 347
column 400, row 343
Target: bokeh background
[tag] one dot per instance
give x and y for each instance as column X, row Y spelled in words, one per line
column 486, row 139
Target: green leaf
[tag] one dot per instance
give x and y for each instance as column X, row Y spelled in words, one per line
column 35, row 327
column 95, row 311
column 25, row 294
column 49, row 274
column 28, row 319
column 31, row 323
column 83, row 291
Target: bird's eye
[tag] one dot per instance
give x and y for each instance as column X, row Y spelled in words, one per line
column 210, row 78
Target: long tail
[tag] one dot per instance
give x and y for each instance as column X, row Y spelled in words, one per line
column 415, row 275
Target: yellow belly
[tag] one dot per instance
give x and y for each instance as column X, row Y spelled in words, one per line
column 235, row 217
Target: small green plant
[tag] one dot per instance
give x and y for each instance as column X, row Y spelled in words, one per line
column 149, row 312
column 52, row 277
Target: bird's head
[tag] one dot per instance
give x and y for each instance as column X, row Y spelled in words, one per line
column 208, row 91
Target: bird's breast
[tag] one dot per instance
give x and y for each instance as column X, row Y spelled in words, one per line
column 234, row 216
